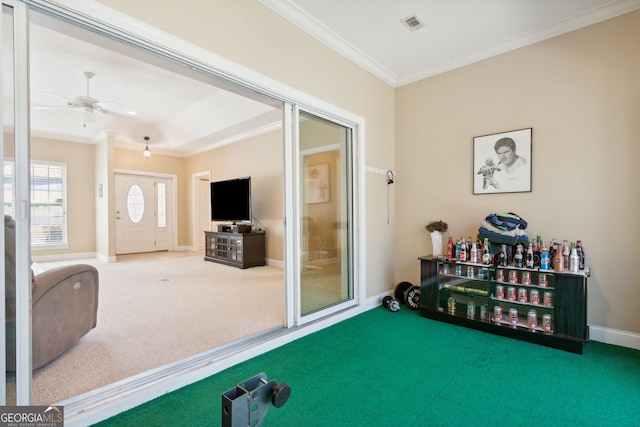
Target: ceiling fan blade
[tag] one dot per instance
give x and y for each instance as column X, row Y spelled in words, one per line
column 68, row 101
column 50, row 107
column 118, row 115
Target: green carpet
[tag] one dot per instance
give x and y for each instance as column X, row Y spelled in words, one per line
column 399, row 369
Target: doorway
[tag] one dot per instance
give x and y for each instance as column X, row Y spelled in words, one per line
column 201, row 209
column 143, row 213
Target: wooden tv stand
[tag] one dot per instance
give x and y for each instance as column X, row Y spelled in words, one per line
column 242, row 250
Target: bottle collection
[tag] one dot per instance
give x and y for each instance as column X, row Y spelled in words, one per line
column 557, row 256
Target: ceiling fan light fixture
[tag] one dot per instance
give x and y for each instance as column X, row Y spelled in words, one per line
column 147, row 152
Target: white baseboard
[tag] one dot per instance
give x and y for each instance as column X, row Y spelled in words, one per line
column 275, row 262
column 614, row 337
column 65, row 257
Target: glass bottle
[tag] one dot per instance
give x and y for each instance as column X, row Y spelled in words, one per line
column 558, row 261
column 504, row 260
column 486, row 254
column 553, row 248
column 450, row 248
column 566, row 252
column 574, row 260
column 529, row 259
column 518, row 258
column 474, row 253
column 463, row 250
column 580, row 251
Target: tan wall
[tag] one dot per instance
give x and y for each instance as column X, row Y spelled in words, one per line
column 261, row 158
column 580, row 93
column 81, row 192
column 270, row 45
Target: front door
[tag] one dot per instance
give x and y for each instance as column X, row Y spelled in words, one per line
column 141, row 214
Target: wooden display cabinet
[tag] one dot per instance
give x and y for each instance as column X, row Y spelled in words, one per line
column 473, row 295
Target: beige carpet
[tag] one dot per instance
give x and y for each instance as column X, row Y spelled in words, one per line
column 159, row 308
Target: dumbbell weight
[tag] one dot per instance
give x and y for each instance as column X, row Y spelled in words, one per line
column 408, row 294
column 412, row 297
column 391, row 303
column 400, row 289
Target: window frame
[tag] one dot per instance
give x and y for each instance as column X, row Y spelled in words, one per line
column 37, row 244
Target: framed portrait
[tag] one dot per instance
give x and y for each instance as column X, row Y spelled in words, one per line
column 502, row 162
column 316, row 183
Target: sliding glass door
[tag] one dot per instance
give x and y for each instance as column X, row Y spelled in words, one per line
column 325, row 220
column 315, row 224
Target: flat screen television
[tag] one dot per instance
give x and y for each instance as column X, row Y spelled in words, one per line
column 231, row 200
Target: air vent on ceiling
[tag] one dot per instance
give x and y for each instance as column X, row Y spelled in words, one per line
column 412, row 22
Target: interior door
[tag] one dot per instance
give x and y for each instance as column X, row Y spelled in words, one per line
column 136, row 213
column 204, row 211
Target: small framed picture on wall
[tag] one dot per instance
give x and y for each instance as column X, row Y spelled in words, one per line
column 502, row 162
column 316, row 183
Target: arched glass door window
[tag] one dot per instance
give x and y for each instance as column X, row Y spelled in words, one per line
column 135, row 203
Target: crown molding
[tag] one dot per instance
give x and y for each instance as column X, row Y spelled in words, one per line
column 298, row 17
column 291, row 12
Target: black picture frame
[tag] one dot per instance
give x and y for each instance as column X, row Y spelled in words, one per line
column 502, row 162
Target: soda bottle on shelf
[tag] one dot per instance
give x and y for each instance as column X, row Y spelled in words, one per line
column 566, row 252
column 574, row 260
column 580, row 251
column 553, row 248
column 504, row 259
column 558, row 261
column 518, row 258
column 474, row 253
column 536, row 252
column 545, row 259
column 450, row 248
column 463, row 250
column 529, row 259
column 486, row 255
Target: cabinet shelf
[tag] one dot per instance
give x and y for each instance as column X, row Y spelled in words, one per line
column 522, row 304
column 523, row 285
column 446, row 283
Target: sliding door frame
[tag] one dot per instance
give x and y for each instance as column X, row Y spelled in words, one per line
column 22, row 197
column 352, row 214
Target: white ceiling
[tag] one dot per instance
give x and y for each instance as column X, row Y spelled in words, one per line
column 454, row 32
column 185, row 112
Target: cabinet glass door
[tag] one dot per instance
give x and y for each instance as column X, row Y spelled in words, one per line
column 463, row 290
column 523, row 299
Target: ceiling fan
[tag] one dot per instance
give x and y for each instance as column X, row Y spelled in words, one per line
column 84, row 102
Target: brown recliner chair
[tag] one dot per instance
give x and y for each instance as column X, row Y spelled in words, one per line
column 64, row 305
